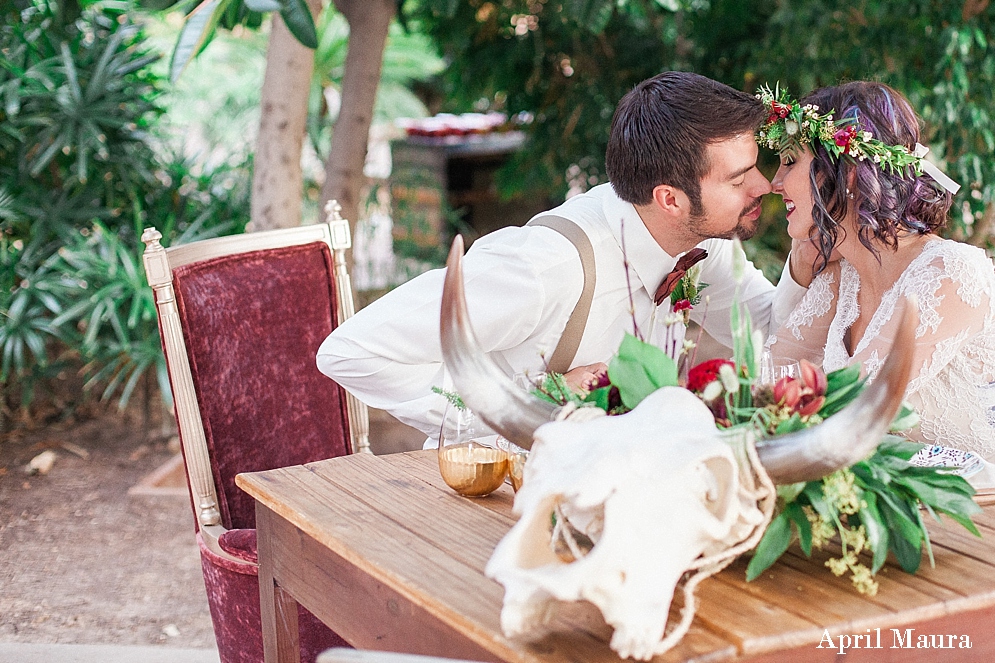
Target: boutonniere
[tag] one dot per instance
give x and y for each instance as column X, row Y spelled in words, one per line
column 687, row 293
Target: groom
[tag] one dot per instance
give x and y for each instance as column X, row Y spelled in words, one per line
column 682, row 163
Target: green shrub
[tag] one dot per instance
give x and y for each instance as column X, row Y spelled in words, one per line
column 79, row 179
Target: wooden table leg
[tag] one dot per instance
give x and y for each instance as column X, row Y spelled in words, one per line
column 277, row 608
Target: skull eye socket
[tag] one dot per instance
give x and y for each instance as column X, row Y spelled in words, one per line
column 573, row 535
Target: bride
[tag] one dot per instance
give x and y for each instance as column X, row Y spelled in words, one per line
column 859, row 195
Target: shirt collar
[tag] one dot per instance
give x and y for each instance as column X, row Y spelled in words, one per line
column 646, row 258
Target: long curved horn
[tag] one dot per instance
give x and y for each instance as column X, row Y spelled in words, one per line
column 852, row 434
column 503, row 405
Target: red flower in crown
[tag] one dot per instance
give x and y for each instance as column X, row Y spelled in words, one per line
column 779, row 110
column 844, row 136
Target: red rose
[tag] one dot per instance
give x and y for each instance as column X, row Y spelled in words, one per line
column 704, row 373
column 682, row 305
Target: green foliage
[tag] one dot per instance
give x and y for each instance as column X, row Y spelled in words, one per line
column 938, row 54
column 568, row 62
column 451, row 396
column 207, row 16
column 78, row 105
column 887, row 492
column 639, row 369
column 80, row 179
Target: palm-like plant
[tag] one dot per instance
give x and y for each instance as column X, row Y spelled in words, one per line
column 81, row 179
column 116, row 316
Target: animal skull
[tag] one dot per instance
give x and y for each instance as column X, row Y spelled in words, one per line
column 654, row 489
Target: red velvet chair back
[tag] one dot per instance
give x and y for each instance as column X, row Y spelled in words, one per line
column 252, row 324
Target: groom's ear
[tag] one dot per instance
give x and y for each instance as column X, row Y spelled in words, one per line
column 671, row 201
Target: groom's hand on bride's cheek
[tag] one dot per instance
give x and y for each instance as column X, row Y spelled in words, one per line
column 803, row 259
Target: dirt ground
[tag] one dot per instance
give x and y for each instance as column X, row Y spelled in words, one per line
column 83, row 560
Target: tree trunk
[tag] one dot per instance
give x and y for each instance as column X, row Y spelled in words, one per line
column 277, row 179
column 369, row 21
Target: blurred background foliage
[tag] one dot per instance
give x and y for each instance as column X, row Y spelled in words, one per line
column 96, row 143
column 567, row 62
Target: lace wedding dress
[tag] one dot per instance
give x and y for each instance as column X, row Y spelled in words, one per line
column 953, row 376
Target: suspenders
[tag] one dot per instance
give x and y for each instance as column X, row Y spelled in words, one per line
column 566, row 349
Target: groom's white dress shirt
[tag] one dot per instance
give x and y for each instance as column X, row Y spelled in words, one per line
column 521, row 286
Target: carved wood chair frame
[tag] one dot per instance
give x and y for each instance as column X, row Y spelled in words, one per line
column 159, row 263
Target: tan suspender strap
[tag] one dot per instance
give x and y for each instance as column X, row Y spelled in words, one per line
column 566, row 349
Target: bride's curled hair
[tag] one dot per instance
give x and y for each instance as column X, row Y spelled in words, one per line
column 889, row 205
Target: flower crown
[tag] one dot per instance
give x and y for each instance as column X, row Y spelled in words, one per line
column 790, row 126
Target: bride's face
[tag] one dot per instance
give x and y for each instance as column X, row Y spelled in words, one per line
column 792, row 183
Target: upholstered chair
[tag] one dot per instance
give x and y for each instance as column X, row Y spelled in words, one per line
column 241, row 319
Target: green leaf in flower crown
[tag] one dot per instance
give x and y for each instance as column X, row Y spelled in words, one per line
column 639, row 369
column 772, row 545
column 599, row 397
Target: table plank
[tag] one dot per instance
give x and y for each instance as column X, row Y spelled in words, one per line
column 455, row 525
column 425, row 465
column 333, row 522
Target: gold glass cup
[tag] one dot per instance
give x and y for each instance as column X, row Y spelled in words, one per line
column 472, row 469
column 516, row 461
column 516, row 466
column 467, row 466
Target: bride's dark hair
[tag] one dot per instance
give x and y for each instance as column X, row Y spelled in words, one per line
column 889, row 205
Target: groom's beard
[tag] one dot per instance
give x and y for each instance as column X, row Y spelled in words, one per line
column 745, row 228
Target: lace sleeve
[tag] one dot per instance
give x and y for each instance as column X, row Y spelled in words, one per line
column 954, row 349
column 954, row 297
column 803, row 334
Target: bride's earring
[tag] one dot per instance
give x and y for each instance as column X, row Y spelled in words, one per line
column 849, row 194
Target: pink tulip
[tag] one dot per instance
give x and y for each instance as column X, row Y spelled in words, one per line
column 813, row 377
column 787, row 392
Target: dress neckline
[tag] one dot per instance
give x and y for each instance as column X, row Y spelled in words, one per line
column 848, row 308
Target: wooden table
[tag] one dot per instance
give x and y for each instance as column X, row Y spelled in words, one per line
column 381, row 550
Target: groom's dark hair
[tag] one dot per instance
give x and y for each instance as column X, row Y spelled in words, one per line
column 661, row 130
